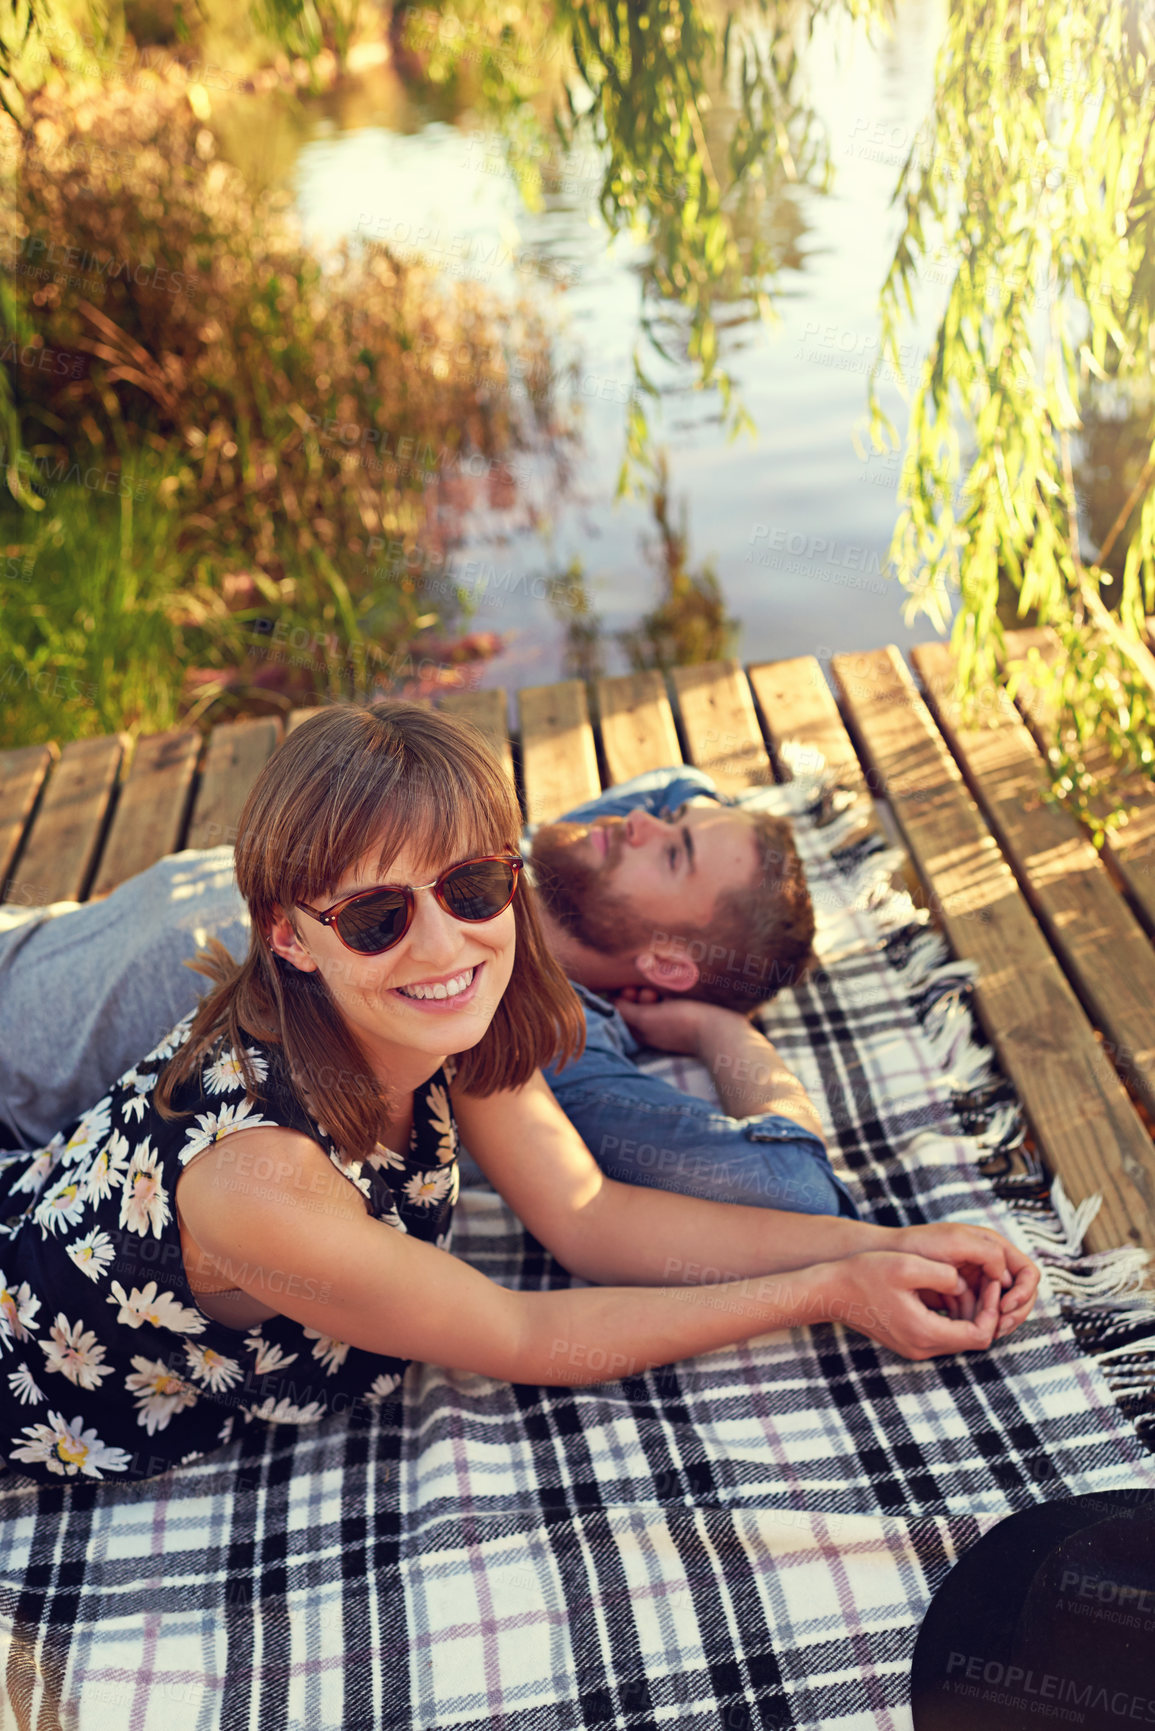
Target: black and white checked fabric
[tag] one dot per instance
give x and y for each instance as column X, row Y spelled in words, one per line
column 746, row 1540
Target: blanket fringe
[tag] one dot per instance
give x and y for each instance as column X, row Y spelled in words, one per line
column 1104, row 1296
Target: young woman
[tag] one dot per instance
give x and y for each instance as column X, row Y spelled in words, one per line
column 254, row 1223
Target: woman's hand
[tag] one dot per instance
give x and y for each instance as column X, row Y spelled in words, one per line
column 981, row 1256
column 903, row 1301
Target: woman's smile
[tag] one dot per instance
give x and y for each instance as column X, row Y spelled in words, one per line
column 445, row 993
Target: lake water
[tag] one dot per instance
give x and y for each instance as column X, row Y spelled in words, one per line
column 795, row 521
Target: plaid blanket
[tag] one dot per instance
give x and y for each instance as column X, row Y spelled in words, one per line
column 749, row 1539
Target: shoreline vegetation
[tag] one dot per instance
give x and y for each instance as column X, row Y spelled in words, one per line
column 185, row 503
column 170, row 340
column 184, row 488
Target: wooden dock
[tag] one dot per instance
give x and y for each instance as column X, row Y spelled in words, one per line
column 1062, row 935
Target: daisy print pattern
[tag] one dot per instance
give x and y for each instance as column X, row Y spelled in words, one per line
column 284, row 1412
column 18, row 1308
column 159, row 1393
column 136, row 1104
column 40, row 1168
column 62, row 1207
column 441, row 1119
column 426, row 1188
column 382, row 1157
column 171, row 1041
column 106, row 1173
column 144, row 1199
column 92, row 1254
column 159, row 1308
column 73, row 1350
column 69, row 1449
column 95, row 1297
column 93, row 1128
column 332, row 1353
column 225, row 1076
column 354, row 1171
column 268, row 1358
column 212, row 1368
column 25, row 1387
column 381, row 1388
column 211, row 1126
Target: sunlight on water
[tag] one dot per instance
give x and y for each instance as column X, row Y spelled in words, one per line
column 794, row 519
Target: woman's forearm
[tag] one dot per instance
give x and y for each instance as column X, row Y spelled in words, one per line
column 631, row 1235
column 601, row 1334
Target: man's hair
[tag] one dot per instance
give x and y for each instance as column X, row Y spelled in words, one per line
column 760, row 937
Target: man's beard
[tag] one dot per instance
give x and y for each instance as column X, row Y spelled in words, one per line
column 574, row 893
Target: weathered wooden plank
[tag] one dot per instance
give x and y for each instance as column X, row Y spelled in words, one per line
column 721, row 725
column 637, row 725
column 796, row 703
column 66, row 832
column 1084, row 1125
column 22, row 774
column 489, row 713
column 1130, row 854
column 1100, row 943
column 150, row 813
column 237, row 752
column 559, row 761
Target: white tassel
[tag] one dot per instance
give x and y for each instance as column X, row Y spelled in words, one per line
column 1006, row 1130
column 1113, row 1277
column 1064, row 1233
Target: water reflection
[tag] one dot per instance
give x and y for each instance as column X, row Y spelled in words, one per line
column 686, row 130
column 688, row 623
column 525, row 206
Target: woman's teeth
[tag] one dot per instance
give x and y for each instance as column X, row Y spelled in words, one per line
column 443, row 989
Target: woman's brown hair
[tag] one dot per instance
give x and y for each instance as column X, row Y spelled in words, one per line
column 401, row 776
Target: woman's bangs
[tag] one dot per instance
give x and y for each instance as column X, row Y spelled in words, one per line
column 425, row 792
column 435, row 813
column 438, row 820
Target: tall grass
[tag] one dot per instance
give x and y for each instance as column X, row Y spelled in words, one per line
column 281, row 427
column 99, row 619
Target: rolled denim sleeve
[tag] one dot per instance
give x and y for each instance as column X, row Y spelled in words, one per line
column 640, row 1130
column 656, row 791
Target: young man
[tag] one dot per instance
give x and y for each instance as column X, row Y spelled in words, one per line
column 659, row 886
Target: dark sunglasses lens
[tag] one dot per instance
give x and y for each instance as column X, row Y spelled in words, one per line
column 479, row 889
column 373, row 924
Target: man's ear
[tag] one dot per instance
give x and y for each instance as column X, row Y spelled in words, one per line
column 283, row 941
column 667, row 973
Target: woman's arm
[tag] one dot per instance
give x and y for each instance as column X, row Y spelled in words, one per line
column 623, row 1234
column 302, row 1231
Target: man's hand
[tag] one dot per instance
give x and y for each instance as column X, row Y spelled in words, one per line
column 669, row 1024
column 749, row 1076
column 982, row 1257
column 903, row 1301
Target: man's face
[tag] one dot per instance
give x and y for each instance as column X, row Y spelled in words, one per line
column 616, row 881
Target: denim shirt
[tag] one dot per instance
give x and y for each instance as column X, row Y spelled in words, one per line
column 640, row 1129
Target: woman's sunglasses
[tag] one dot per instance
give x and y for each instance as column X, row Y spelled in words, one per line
column 372, row 921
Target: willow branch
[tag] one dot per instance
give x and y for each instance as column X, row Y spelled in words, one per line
column 1133, row 498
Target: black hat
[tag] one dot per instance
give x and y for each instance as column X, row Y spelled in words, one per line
column 1048, row 1621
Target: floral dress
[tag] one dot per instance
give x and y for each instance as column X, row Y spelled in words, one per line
column 108, row 1367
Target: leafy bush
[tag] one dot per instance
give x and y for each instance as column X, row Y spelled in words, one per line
column 298, row 438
